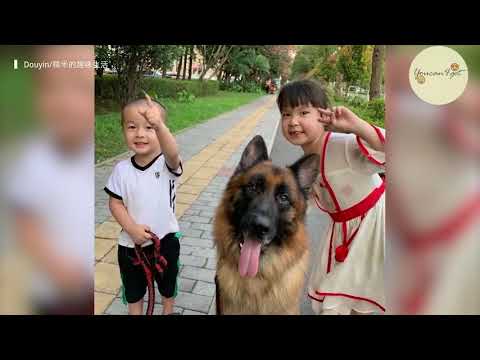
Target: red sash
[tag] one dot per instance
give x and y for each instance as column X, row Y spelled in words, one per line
column 360, row 208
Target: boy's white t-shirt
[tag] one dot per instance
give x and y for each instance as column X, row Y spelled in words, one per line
column 148, row 192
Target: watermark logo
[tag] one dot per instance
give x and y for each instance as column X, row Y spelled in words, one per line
column 438, row 75
column 450, row 72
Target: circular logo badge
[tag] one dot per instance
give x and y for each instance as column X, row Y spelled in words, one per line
column 438, row 75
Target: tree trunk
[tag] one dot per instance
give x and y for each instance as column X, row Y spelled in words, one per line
column 131, row 89
column 134, row 80
column 219, row 69
column 338, row 84
column 202, row 75
column 100, row 72
column 376, row 78
column 128, row 82
column 179, row 67
column 185, row 55
column 190, row 63
column 164, row 73
column 214, row 60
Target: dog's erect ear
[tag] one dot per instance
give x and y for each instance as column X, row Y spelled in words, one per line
column 306, row 171
column 255, row 152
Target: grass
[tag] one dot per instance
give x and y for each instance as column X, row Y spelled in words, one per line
column 109, row 140
column 16, row 101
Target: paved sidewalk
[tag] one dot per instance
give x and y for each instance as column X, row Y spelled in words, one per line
column 210, row 152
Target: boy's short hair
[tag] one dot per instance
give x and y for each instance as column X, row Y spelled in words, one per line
column 143, row 101
column 302, row 92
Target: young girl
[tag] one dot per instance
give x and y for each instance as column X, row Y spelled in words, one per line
column 347, row 277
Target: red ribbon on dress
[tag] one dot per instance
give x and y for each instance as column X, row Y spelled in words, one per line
column 360, row 208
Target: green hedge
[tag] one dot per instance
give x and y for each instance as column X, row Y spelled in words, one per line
column 107, row 87
column 373, row 111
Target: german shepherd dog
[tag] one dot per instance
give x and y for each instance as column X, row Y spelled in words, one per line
column 260, row 235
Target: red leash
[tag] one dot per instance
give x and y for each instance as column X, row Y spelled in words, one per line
column 156, row 264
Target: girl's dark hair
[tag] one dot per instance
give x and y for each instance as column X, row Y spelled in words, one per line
column 302, row 92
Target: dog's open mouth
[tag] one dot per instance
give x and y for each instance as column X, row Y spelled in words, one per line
column 249, row 257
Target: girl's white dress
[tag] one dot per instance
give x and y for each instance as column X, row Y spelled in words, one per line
column 344, row 280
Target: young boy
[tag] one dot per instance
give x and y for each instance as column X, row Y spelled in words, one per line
column 142, row 199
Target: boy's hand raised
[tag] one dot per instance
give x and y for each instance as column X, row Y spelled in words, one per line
column 339, row 119
column 152, row 113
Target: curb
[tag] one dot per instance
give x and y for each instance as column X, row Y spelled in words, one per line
column 270, row 146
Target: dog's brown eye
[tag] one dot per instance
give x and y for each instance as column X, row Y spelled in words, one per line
column 283, row 198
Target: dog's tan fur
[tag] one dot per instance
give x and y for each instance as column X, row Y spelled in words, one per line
column 278, row 286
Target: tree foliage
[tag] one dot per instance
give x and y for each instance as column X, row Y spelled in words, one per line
column 343, row 64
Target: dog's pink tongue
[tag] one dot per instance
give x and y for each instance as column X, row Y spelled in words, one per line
column 249, row 258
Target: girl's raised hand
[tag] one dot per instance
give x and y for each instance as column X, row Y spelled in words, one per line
column 338, row 119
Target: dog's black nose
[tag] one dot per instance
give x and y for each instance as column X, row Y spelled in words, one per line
column 260, row 225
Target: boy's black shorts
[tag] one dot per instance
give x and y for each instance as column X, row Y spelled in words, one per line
column 133, row 276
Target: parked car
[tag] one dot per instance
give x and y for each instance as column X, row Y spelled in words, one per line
column 356, row 91
column 155, row 74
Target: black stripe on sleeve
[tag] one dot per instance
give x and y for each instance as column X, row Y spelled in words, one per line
column 170, row 194
column 173, row 172
column 112, row 194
